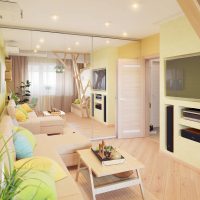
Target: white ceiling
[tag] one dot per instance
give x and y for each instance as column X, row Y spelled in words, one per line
column 89, row 16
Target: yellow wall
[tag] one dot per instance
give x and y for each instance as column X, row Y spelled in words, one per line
column 150, row 46
column 177, row 38
column 131, row 50
column 146, row 47
column 2, row 72
column 107, row 58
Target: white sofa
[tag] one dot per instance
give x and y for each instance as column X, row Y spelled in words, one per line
column 56, row 147
column 38, row 125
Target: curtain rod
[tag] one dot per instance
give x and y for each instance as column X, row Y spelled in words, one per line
column 66, row 32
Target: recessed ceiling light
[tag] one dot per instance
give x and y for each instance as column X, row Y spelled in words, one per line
column 35, row 50
column 107, row 41
column 54, row 17
column 135, row 5
column 76, row 43
column 125, row 34
column 41, row 40
column 107, row 24
column 69, row 49
column 38, row 46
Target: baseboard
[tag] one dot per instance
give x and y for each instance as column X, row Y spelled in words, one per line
column 188, row 165
column 103, row 138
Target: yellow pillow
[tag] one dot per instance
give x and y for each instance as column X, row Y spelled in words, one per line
column 26, row 107
column 20, row 116
column 42, row 164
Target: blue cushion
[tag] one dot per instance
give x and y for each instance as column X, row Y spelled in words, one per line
column 23, row 146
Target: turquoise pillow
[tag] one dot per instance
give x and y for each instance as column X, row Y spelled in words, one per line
column 26, row 133
column 24, row 142
column 23, row 147
column 36, row 185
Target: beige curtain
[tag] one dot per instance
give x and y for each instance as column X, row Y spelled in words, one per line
column 19, row 71
column 52, row 89
column 66, row 91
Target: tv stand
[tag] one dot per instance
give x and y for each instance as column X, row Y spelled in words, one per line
column 186, row 114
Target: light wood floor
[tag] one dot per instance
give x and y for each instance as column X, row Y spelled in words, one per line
column 163, row 177
column 88, row 127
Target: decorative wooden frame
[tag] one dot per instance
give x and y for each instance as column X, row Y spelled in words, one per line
column 84, row 101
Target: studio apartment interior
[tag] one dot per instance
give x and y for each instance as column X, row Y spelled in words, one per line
column 100, row 100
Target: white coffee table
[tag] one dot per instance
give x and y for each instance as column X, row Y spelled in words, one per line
column 46, row 113
column 101, row 177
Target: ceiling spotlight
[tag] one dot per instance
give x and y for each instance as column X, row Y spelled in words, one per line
column 107, row 24
column 125, row 34
column 69, row 49
column 76, row 43
column 135, row 5
column 54, row 17
column 107, row 41
column 38, row 46
column 35, row 51
column 41, row 40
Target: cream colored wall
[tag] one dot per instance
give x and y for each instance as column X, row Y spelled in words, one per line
column 2, row 73
column 177, row 38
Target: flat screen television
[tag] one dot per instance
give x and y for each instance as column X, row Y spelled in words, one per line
column 183, row 77
column 99, row 79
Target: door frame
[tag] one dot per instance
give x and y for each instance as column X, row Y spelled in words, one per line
column 146, row 93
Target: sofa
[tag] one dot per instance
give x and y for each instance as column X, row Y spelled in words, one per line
column 56, row 147
column 38, row 125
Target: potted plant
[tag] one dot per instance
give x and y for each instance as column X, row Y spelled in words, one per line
column 14, row 96
column 11, row 179
column 24, row 92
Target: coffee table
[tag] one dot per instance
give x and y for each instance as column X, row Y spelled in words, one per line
column 46, row 113
column 102, row 178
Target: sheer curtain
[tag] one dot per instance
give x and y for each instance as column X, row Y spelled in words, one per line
column 51, row 89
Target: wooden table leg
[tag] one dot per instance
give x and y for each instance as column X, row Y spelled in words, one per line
column 78, row 168
column 141, row 185
column 92, row 184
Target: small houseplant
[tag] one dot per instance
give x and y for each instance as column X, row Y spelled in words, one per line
column 24, row 92
column 11, row 179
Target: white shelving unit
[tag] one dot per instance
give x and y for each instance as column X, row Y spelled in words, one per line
column 184, row 149
column 99, row 112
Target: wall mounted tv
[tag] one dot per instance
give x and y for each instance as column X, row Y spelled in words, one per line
column 99, row 79
column 183, row 77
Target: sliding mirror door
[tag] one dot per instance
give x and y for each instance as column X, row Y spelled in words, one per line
column 75, row 74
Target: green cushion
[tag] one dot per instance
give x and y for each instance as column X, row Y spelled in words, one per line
column 42, row 164
column 36, row 186
column 77, row 101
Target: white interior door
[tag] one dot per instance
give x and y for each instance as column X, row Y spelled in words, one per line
column 129, row 99
column 154, row 92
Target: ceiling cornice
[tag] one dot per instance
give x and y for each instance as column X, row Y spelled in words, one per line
column 67, row 32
